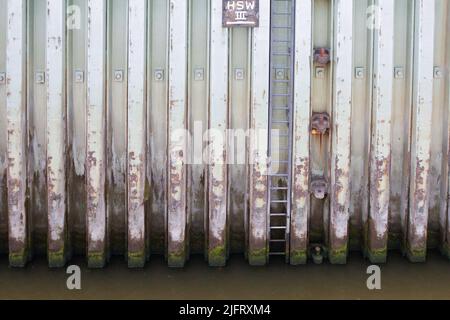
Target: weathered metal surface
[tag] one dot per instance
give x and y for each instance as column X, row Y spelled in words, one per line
column 259, row 121
column 56, row 133
column 421, row 129
column 94, row 157
column 177, row 144
column 218, row 141
column 137, row 126
column 341, row 131
column 302, row 111
column 383, row 64
column 16, row 131
column 96, row 134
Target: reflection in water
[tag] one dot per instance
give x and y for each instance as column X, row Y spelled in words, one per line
column 400, row 279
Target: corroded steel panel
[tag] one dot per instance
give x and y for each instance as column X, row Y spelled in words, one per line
column 138, row 128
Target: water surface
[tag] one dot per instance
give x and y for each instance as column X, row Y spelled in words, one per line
column 400, row 280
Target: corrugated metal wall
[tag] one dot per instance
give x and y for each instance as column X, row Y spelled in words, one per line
column 92, row 93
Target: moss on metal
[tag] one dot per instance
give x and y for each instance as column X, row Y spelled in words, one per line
column 298, row 257
column 176, row 259
column 339, row 255
column 136, row 259
column 257, row 258
column 18, row 259
column 56, row 259
column 445, row 250
column 217, row 256
column 377, row 256
column 416, row 255
column 96, row 260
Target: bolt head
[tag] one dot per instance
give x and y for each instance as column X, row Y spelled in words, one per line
column 438, row 74
column 359, row 73
column 159, row 75
column 239, row 74
column 118, row 75
column 320, row 72
column 79, row 76
column 399, row 73
column 40, row 77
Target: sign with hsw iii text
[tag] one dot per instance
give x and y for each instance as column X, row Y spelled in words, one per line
column 240, row 13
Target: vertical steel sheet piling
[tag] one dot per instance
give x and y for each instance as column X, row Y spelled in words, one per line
column 56, row 132
column 136, row 128
column 96, row 133
column 445, row 212
column 104, row 106
column 259, row 122
column 217, row 149
column 341, row 131
column 4, row 132
column 176, row 215
column 381, row 133
column 16, row 135
column 302, row 115
column 421, row 129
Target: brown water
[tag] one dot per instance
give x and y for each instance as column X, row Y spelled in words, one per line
column 400, row 280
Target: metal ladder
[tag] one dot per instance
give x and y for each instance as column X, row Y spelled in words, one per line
column 280, row 118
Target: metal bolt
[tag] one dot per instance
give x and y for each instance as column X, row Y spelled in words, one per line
column 79, row 76
column 320, row 72
column 438, row 74
column 159, row 74
column 399, row 73
column 239, row 74
column 118, row 75
column 280, row 74
column 2, row 78
column 199, row 74
column 40, row 77
column 360, row 73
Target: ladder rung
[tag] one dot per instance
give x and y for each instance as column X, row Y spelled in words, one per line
column 278, row 215
column 278, row 240
column 278, row 227
column 281, row 94
column 279, row 175
column 280, row 121
column 278, row 201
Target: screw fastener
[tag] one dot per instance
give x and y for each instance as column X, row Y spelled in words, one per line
column 118, row 75
column 39, row 77
column 359, row 73
column 239, row 74
column 399, row 73
column 79, row 76
column 438, row 74
column 159, row 75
